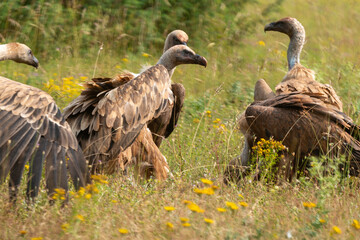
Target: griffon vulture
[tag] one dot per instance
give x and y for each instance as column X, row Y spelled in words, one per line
column 33, row 130
column 108, row 125
column 297, row 79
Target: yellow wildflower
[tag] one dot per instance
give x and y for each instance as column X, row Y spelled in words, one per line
column 336, row 230
column 208, row 113
column 187, row 202
column 214, row 187
column 184, row 219
column 221, row 209
column 208, row 191
column 169, row 208
column 65, row 226
column 215, row 126
column 54, row 74
column 114, row 201
column 123, row 231
column 81, row 191
column 196, row 120
column 186, row 224
column 240, row 195
column 356, row 224
column 261, row 43
column 208, row 220
column 27, row 167
column 22, row 232
column 83, row 78
column 125, row 60
column 243, row 204
column 88, row 196
column 145, row 54
column 60, row 191
column 217, row 120
column 309, row 204
column 170, row 225
column 322, row 220
column 37, row 238
column 118, row 66
column 80, row 217
column 195, row 208
column 231, row 205
column 206, row 181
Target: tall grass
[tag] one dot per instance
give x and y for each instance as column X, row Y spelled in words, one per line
column 230, row 35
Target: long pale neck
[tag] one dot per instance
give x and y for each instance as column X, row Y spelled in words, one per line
column 166, row 47
column 167, row 62
column 296, row 44
column 4, row 53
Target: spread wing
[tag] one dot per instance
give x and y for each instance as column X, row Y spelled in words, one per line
column 107, row 123
column 301, row 79
column 33, row 130
column 305, row 126
column 165, row 124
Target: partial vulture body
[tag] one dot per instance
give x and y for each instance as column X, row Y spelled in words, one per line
column 34, row 131
column 108, row 123
column 308, row 127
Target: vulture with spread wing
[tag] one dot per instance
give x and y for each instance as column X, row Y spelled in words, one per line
column 108, row 125
column 307, row 127
column 33, row 130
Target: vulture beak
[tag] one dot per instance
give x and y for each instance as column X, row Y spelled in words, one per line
column 200, row 60
column 269, row 27
column 184, row 43
column 35, row 63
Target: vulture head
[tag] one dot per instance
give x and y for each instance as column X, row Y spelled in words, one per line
column 176, row 37
column 21, row 53
column 180, row 54
column 289, row 26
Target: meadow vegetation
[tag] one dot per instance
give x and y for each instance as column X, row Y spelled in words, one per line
column 76, row 40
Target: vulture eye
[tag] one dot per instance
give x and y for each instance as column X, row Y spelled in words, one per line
column 29, row 52
column 187, row 53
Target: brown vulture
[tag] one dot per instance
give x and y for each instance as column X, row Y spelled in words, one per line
column 297, row 79
column 109, row 123
column 34, row 131
column 307, row 126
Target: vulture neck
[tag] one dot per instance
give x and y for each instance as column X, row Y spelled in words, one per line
column 4, row 53
column 297, row 41
column 166, row 47
column 168, row 62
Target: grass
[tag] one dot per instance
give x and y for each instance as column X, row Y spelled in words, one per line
column 201, row 146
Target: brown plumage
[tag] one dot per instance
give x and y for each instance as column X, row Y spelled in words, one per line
column 308, row 127
column 297, row 79
column 140, row 152
column 108, row 125
column 33, row 130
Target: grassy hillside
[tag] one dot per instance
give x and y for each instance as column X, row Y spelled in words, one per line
column 230, row 35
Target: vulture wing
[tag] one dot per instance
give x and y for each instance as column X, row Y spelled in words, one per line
column 165, row 124
column 108, row 125
column 301, row 79
column 33, row 130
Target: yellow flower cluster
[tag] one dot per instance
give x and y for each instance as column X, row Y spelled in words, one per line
column 231, row 205
column 336, row 229
column 208, row 190
column 123, row 231
column 100, row 179
column 265, row 147
column 195, row 208
column 356, row 224
column 69, row 87
column 59, row 194
column 208, row 113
